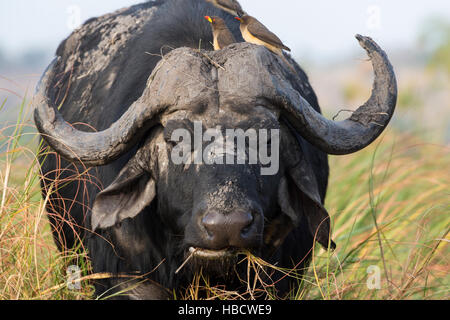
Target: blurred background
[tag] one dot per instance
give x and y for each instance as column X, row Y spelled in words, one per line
column 415, row 34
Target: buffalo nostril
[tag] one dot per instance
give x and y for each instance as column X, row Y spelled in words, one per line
column 211, row 222
column 247, row 224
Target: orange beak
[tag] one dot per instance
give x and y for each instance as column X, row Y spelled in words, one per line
column 208, row 18
column 238, row 19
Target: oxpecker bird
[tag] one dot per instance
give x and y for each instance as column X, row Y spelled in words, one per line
column 221, row 34
column 255, row 32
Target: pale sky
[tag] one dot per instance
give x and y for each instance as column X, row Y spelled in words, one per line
column 320, row 29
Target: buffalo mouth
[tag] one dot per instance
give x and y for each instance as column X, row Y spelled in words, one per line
column 210, row 254
column 221, row 263
column 211, row 262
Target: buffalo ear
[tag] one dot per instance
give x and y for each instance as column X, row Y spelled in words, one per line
column 132, row 191
column 299, row 202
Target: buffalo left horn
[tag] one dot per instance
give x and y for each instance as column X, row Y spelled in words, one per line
column 366, row 123
column 91, row 148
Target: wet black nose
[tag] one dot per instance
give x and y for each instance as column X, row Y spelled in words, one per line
column 236, row 229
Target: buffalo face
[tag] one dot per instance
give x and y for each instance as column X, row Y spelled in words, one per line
column 220, row 206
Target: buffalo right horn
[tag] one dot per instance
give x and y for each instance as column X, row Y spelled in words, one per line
column 366, row 123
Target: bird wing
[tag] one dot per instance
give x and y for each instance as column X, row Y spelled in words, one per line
column 258, row 30
column 225, row 38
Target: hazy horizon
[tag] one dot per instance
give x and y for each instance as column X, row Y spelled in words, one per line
column 320, row 32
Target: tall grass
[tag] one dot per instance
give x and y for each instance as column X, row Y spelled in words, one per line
column 389, row 206
column 29, row 260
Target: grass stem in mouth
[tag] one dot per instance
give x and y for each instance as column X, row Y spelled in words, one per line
column 186, row 261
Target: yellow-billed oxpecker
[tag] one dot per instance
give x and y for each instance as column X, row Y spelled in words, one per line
column 221, row 34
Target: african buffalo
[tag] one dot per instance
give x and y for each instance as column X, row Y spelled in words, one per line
column 109, row 106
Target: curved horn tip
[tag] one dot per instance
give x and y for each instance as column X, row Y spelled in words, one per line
column 363, row 39
column 359, row 37
column 369, row 44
